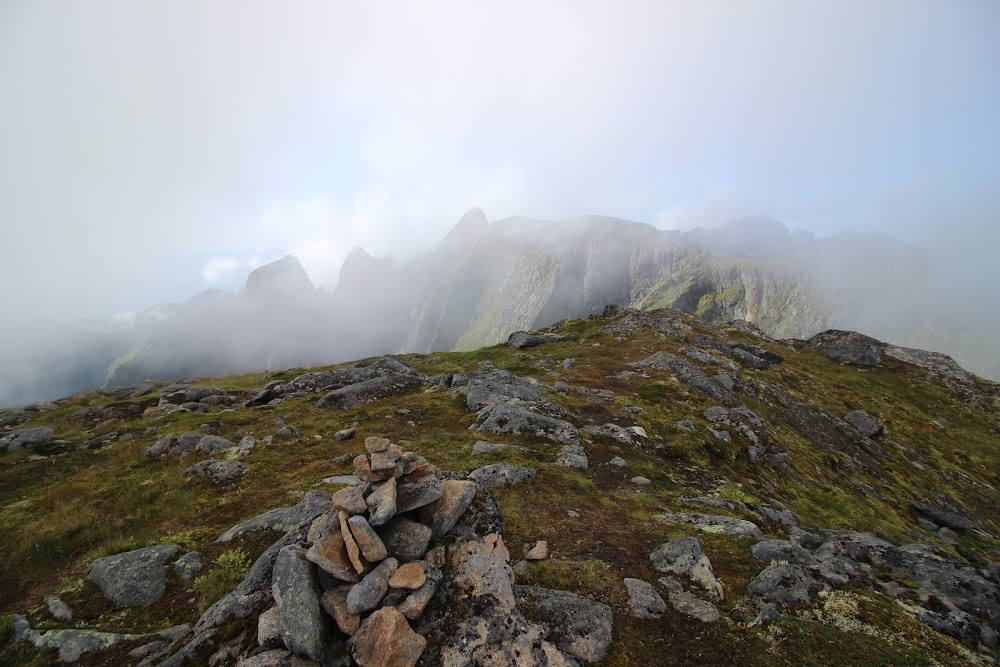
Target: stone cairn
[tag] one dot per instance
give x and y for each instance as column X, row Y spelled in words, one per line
column 375, row 544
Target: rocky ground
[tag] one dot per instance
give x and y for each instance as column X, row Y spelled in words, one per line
column 637, row 488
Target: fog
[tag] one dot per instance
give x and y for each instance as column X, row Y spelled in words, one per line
column 149, row 151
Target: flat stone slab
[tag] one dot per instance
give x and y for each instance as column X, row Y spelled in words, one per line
column 501, row 474
column 714, row 524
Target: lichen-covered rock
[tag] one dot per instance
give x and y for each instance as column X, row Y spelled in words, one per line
column 417, row 489
column 297, row 595
column 580, row 627
column 283, row 519
column 329, row 552
column 683, row 556
column 371, row 545
column 386, row 640
column 134, row 578
column 867, row 425
column 29, row 438
column 500, row 474
column 366, row 594
column 382, row 502
column 405, row 539
column 220, row 472
column 442, row 514
column 849, row 347
column 643, row 600
column 334, row 601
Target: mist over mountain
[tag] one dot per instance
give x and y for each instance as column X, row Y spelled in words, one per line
column 485, row 280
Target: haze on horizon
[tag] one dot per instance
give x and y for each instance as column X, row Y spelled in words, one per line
column 149, row 151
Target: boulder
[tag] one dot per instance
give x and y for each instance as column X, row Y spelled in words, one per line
column 481, row 447
column 849, row 347
column 269, row 628
column 580, row 627
column 220, row 472
column 500, row 474
column 785, row 584
column 405, row 539
column 442, row 514
column 283, row 519
column 715, row 524
column 59, row 610
column 942, row 517
column 522, row 339
column 516, row 419
column 572, row 456
column 643, row 600
column 188, row 565
column 866, row 424
column 350, row 500
column 329, row 552
column 696, row 608
column 29, row 438
column 417, row 489
column 683, row 556
column 134, row 578
column 213, row 444
column 297, row 595
column 366, row 594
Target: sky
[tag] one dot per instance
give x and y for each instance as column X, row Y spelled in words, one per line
column 151, row 150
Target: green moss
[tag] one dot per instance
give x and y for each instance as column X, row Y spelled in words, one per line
column 6, row 628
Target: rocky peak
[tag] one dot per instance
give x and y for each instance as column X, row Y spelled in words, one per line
column 469, row 228
column 282, row 277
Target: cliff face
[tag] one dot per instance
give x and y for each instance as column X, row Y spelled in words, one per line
column 486, row 280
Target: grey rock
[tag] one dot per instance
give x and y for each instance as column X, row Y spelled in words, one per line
column 70, row 644
column 961, row 625
column 297, row 595
column 188, row 565
column 29, row 438
column 618, row 462
column 783, row 584
column 444, row 513
column 213, row 444
column 580, row 627
column 614, row 432
column 849, row 347
column 59, row 609
column 572, row 456
column 416, row 602
column 683, row 556
column 367, row 593
column 135, row 578
column 371, row 545
column 277, row 657
column 345, row 434
column 689, row 605
column 284, row 519
column 343, row 479
column 522, row 339
column 689, row 374
column 687, row 424
column 351, row 500
column 374, row 389
column 715, row 524
column 382, row 502
column 417, row 489
column 942, row 517
column 405, row 539
column 643, row 600
column 247, row 443
column 220, row 472
column 161, row 446
column 781, row 551
column 867, row 425
column 500, row 474
column 269, row 628
column 517, row 419
column 482, row 447
column 721, row 434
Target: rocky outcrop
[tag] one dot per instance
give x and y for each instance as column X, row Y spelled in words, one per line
column 849, row 347
column 522, row 339
column 134, row 578
column 958, row 600
column 29, row 438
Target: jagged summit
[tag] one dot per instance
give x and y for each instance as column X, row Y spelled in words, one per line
column 281, row 277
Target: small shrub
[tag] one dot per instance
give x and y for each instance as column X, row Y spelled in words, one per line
column 231, row 567
column 6, row 628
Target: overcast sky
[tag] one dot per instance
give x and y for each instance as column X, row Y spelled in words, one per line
column 149, row 150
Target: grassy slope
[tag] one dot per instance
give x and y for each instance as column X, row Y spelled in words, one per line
column 60, row 513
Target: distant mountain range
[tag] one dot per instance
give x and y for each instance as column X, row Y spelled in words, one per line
column 486, row 280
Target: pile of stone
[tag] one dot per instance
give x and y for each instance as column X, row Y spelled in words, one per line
column 372, row 548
